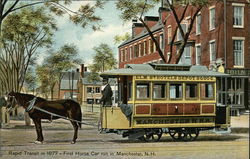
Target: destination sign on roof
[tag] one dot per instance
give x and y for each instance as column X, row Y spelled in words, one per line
column 179, row 78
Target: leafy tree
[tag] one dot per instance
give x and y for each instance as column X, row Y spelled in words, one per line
column 104, row 59
column 23, row 33
column 51, row 71
column 30, row 81
column 84, row 16
column 136, row 9
column 45, row 79
column 120, row 38
column 93, row 77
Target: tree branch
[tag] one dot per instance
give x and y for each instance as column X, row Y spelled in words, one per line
column 10, row 9
column 185, row 39
column 154, row 40
column 143, row 8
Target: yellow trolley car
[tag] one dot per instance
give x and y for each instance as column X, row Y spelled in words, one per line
column 164, row 98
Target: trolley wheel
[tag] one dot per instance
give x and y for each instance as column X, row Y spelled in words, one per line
column 151, row 136
column 174, row 133
column 184, row 134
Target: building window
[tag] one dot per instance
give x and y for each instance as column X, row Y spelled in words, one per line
column 161, row 42
column 131, row 52
column 159, row 90
column 238, row 48
column 151, row 46
column 168, row 56
column 145, row 47
column 140, row 49
column 126, row 54
column 122, row 58
column 90, row 101
column 212, row 19
column 175, row 91
column 123, row 55
column 186, row 56
column 157, row 39
column 179, row 36
column 222, row 90
column 236, row 90
column 89, row 90
column 97, row 101
column 136, row 50
column 198, row 24
column 198, row 54
column 169, row 34
column 212, row 51
column 238, row 17
column 97, row 90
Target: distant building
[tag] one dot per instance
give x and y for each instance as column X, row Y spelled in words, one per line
column 220, row 36
column 89, row 92
column 68, row 86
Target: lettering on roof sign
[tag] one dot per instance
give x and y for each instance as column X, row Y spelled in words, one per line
column 181, row 78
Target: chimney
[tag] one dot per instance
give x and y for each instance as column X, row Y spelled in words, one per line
column 82, row 70
column 137, row 28
column 163, row 13
column 151, row 20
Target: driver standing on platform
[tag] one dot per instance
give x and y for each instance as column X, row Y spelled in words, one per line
column 107, row 94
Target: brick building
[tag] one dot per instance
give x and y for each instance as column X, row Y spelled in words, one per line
column 220, row 35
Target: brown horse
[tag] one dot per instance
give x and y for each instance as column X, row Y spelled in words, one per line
column 66, row 108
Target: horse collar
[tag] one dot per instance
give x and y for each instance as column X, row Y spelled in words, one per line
column 31, row 105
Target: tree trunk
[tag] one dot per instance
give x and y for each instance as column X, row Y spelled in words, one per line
column 154, row 40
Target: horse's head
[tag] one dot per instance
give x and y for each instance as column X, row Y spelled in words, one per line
column 11, row 101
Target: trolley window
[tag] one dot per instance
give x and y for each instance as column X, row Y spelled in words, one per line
column 191, row 91
column 175, row 90
column 142, row 90
column 207, row 90
column 159, row 90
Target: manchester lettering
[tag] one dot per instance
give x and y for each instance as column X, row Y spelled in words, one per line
column 174, row 121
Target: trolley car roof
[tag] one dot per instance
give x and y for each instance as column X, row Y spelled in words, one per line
column 163, row 70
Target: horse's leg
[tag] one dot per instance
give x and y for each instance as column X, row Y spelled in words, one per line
column 39, row 133
column 75, row 131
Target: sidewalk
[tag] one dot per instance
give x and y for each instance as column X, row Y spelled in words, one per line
column 240, row 124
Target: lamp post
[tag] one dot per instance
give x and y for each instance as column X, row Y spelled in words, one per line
column 72, row 86
column 92, row 93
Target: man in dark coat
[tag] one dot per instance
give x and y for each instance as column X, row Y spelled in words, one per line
column 107, row 94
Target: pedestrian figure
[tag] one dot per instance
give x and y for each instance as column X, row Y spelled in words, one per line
column 107, row 94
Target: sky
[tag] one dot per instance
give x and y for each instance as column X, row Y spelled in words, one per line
column 85, row 38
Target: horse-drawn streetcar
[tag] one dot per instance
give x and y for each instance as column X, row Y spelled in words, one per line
column 158, row 98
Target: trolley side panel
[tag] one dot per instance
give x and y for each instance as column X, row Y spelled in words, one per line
column 113, row 118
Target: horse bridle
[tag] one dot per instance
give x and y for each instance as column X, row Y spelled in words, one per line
column 13, row 101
